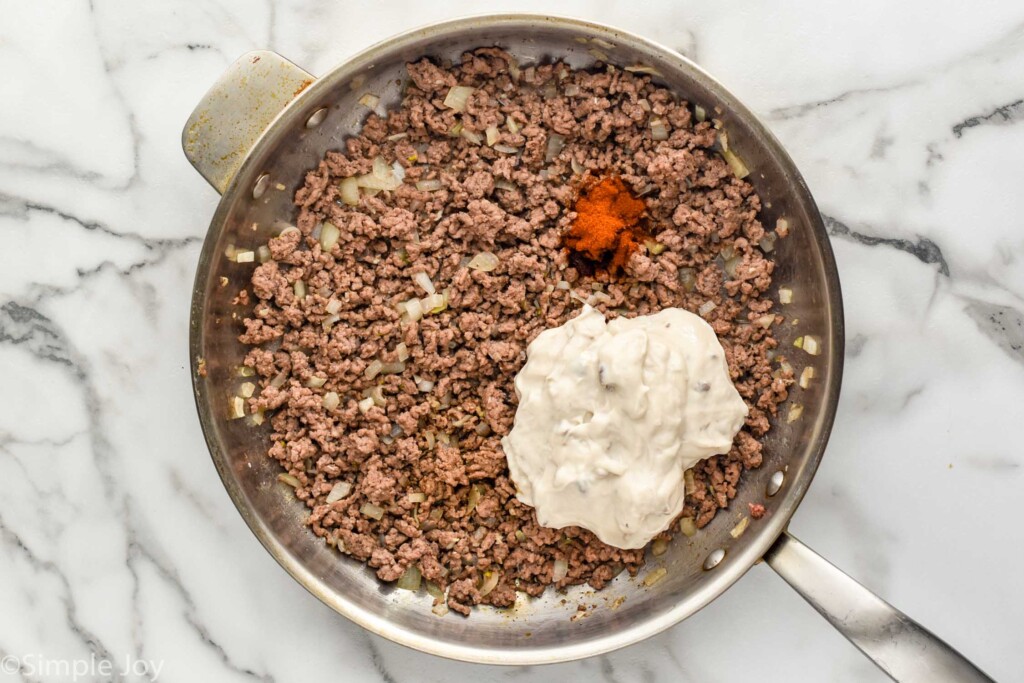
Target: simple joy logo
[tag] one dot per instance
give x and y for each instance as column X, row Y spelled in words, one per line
column 89, row 668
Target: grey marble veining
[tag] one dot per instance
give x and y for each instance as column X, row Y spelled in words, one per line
column 117, row 542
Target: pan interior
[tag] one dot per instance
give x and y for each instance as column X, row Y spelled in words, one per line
column 535, row 630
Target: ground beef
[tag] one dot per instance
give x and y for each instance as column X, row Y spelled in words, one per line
column 426, row 457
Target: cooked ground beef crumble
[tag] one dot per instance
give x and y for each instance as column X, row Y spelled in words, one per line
column 426, row 457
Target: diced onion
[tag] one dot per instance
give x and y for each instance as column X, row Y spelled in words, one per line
column 688, row 279
column 431, row 185
column 417, row 497
column 245, row 256
column 489, row 583
column 331, row 400
column 493, row 135
column 372, row 511
column 340, row 490
column 435, row 303
column 237, row 407
column 562, row 284
column 700, row 114
column 512, row 125
column 244, row 371
column 485, row 261
column 476, row 492
column 257, row 417
column 560, row 571
column 707, row 307
column 766, row 321
column 329, row 321
column 410, row 580
column 782, row 227
column 397, row 136
column 333, row 306
column 289, row 479
column 643, row 69
column 659, row 129
column 457, row 97
column 288, row 230
column 329, row 235
column 738, row 530
column 376, row 394
column 382, row 177
column 246, row 389
column 795, row 411
column 655, row 576
column 263, row 253
column 502, row 184
column 473, row 137
column 571, row 90
column 555, row 144
column 659, row 547
column 299, row 287
column 688, row 527
column 806, row 376
column 369, row 100
column 365, row 405
column 440, row 609
column 423, row 280
column 279, row 379
column 434, row 590
column 315, row 382
column 785, row 295
column 373, row 369
column 513, row 68
column 230, row 252
column 739, row 169
column 730, row 264
column 506, row 149
column 410, row 310
column 349, row 188
column 653, row 247
column 644, row 104
column 812, row 346
column 425, row 386
column 767, row 242
column 798, row 342
column 690, row 486
column 392, row 368
column 403, row 352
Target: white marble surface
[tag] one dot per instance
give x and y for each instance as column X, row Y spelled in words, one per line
column 116, row 538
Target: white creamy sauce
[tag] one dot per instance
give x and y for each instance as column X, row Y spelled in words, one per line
column 610, row 416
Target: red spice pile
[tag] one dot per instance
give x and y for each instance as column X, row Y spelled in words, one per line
column 606, row 228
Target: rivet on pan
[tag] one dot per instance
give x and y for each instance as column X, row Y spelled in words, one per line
column 261, row 186
column 316, row 118
column 775, row 483
column 714, row 559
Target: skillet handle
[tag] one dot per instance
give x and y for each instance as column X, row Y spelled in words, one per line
column 898, row 645
column 234, row 113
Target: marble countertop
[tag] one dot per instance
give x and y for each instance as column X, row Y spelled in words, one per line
column 117, row 541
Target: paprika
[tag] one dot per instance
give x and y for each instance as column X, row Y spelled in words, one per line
column 606, row 229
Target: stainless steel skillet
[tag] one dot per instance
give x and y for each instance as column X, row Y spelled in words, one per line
column 254, row 135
